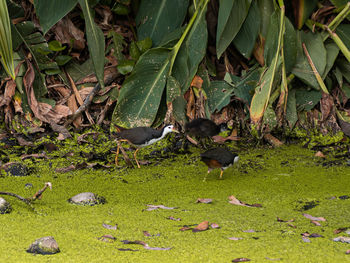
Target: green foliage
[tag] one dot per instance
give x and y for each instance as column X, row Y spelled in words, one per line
column 232, row 14
column 157, row 18
column 50, row 12
column 96, row 41
column 6, row 55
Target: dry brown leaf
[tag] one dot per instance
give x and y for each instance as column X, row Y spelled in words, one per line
column 240, row 260
column 65, row 31
column 272, row 140
column 10, row 89
column 201, row 227
column 190, row 107
column 314, row 218
column 204, row 200
column 327, row 105
column 320, row 154
column 197, row 82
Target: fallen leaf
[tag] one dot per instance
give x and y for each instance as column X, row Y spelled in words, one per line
column 107, row 238
column 235, row 238
column 155, row 207
column 339, row 230
column 240, row 260
column 201, row 227
column 184, row 228
column 235, row 201
column 34, row 155
column 272, row 140
column 342, row 239
column 112, row 227
column 347, row 252
column 127, row 249
column 146, row 234
column 136, row 242
column 291, row 225
column 314, row 218
column 320, row 154
column 65, row 169
column 173, row 218
column 249, row 231
column 316, row 223
column 197, row 82
column 204, row 200
column 214, row 226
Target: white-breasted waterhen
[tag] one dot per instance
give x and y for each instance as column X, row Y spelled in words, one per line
column 141, row 137
column 218, row 158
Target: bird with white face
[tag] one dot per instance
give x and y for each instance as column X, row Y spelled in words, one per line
column 141, row 137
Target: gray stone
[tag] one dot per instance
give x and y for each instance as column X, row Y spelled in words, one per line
column 17, row 169
column 44, row 246
column 87, row 198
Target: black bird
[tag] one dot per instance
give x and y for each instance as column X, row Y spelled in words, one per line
column 202, row 128
column 141, row 137
column 218, row 158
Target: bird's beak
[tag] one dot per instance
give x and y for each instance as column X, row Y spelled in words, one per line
column 174, row 130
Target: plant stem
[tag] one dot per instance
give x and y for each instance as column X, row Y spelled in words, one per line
column 339, row 43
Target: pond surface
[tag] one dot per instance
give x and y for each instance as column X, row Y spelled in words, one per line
column 287, row 182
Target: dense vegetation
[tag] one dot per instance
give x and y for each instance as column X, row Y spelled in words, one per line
column 259, row 65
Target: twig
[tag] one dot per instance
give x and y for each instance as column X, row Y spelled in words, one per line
column 25, row 200
column 38, row 195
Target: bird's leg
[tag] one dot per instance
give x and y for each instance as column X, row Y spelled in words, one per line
column 222, row 171
column 137, row 162
column 205, row 177
column 116, row 155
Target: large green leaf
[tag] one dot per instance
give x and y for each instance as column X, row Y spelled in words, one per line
column 318, row 54
column 157, row 18
column 343, row 32
column 332, row 53
column 290, row 46
column 266, row 7
column 344, row 67
column 291, row 111
column 232, row 14
column 307, row 99
column 191, row 52
column 263, row 91
column 245, row 38
column 6, row 52
column 96, row 41
column 302, row 10
column 142, row 91
column 50, row 12
column 219, row 95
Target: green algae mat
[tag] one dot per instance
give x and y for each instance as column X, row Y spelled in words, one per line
column 304, row 205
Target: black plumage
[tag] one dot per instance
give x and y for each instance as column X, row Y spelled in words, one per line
column 219, row 158
column 141, row 137
column 202, row 128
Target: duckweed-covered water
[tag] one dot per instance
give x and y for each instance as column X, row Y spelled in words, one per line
column 287, row 182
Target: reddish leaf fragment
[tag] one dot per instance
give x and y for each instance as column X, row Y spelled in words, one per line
column 204, row 200
column 173, row 218
column 316, row 223
column 65, row 169
column 320, row 154
column 184, row 228
column 201, row 227
column 34, row 155
column 347, row 252
column 240, row 260
column 156, row 248
column 314, row 218
column 291, row 225
column 112, row 227
column 214, row 226
column 235, row 201
column 235, row 238
column 339, row 230
column 155, row 207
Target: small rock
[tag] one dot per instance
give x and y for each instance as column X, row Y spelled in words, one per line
column 87, row 198
column 28, row 186
column 44, row 246
column 17, row 169
column 5, row 207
